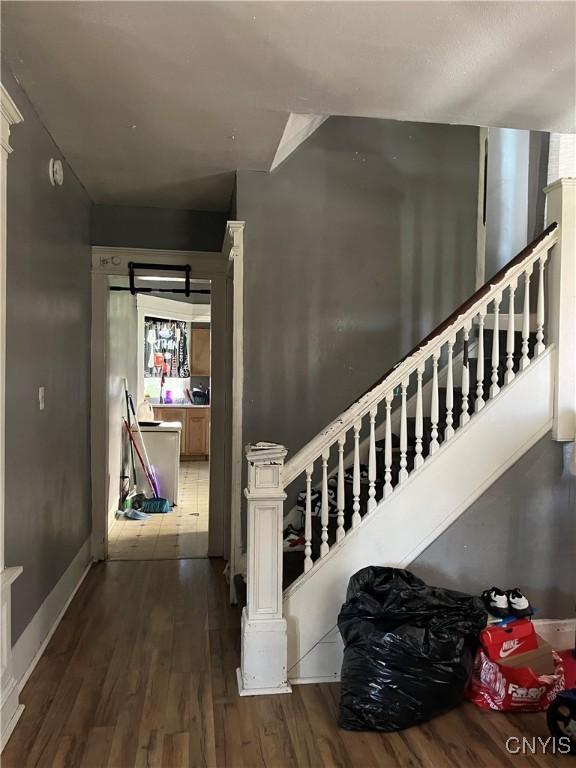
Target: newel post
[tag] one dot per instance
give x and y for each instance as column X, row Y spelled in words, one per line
column 561, row 207
column 264, row 639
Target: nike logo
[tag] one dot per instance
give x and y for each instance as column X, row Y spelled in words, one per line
column 510, row 646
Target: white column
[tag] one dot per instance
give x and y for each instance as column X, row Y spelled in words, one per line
column 561, row 325
column 10, row 709
column 264, row 639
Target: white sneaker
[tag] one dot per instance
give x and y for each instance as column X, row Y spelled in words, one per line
column 519, row 604
column 496, row 602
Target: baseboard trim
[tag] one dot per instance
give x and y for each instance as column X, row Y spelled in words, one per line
column 560, row 633
column 32, row 643
column 5, row 736
column 314, row 680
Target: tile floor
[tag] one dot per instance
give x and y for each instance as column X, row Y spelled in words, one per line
column 180, row 534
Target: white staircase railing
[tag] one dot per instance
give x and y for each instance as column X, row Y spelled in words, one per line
column 322, row 462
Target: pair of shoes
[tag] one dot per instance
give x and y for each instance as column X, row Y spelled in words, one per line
column 503, row 604
column 293, row 539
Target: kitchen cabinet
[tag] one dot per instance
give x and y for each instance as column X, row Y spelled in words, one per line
column 197, row 432
column 195, row 436
column 200, row 352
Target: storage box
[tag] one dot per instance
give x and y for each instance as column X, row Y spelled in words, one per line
column 503, row 642
column 540, row 660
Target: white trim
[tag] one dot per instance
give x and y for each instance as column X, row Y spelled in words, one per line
column 297, row 129
column 110, row 262
column 561, row 309
column 560, row 633
column 242, row 691
column 235, row 242
column 10, row 708
column 8, row 728
column 32, row 643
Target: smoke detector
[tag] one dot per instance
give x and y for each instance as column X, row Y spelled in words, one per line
column 56, row 171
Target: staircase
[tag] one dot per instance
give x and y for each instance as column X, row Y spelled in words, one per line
column 393, row 471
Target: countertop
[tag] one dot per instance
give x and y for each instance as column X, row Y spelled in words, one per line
column 177, row 405
column 164, row 426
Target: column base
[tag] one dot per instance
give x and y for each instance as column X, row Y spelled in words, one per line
column 242, row 691
column 264, row 657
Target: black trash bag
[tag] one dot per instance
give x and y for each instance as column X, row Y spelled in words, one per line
column 408, row 651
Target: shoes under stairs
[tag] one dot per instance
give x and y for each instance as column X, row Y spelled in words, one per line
column 395, row 469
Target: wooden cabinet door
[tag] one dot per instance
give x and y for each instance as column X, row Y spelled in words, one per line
column 197, row 432
column 200, row 352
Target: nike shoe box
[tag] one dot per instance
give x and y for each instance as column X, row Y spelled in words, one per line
column 507, row 640
column 540, row 660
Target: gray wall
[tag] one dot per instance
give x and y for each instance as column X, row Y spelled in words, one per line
column 48, row 497
column 174, row 229
column 356, row 247
column 516, row 176
column 521, row 532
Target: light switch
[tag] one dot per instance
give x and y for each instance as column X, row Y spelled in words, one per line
column 41, row 398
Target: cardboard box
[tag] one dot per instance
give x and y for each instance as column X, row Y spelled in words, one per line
column 540, row 660
column 508, row 640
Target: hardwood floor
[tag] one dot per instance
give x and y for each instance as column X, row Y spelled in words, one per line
column 141, row 672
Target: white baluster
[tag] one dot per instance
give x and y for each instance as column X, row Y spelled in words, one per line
column 388, row 447
column 308, row 521
column 419, row 427
column 480, row 372
column 356, row 477
column 449, row 431
column 434, row 409
column 525, row 360
column 510, row 336
column 403, row 475
column 465, row 416
column 540, row 346
column 341, row 496
column 324, row 548
column 494, row 389
column 372, row 461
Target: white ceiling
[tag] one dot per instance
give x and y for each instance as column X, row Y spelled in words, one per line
column 158, row 103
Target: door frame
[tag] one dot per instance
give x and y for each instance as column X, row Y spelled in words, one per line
column 220, row 269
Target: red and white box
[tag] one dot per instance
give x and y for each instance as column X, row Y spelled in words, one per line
column 502, row 642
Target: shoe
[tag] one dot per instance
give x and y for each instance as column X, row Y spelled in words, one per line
column 496, row 602
column 294, row 540
column 519, row 604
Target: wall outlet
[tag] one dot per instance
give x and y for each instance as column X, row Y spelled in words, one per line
column 41, row 398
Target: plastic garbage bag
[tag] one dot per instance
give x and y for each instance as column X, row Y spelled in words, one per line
column 409, row 649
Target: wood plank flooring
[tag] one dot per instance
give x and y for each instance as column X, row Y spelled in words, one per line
column 141, row 673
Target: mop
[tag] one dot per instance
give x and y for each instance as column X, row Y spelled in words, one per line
column 155, row 504
column 150, row 468
column 131, row 513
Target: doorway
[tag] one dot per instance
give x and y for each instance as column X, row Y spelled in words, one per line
column 160, row 358
column 206, row 480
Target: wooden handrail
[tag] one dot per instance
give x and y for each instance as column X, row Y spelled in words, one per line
column 484, row 290
column 395, row 375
